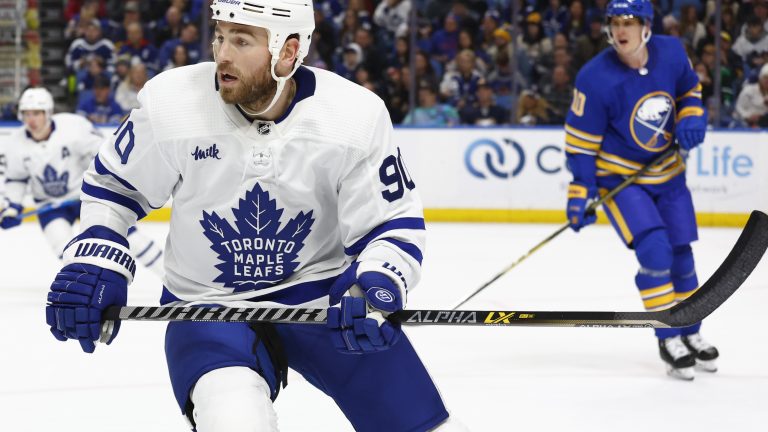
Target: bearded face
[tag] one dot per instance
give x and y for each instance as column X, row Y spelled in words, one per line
column 254, row 90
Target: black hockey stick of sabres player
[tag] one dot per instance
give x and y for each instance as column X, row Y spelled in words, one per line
column 591, row 208
column 731, row 274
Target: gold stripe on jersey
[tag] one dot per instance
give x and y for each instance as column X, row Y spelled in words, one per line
column 690, row 111
column 611, row 207
column 571, row 140
column 694, row 92
column 664, row 297
column 583, row 135
column 610, row 164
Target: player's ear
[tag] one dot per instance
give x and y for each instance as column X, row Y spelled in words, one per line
column 290, row 51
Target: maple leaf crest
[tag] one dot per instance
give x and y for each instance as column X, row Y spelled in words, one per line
column 256, row 252
column 53, row 184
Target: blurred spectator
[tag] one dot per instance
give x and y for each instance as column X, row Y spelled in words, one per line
column 460, row 86
column 445, row 41
column 532, row 109
column 590, row 43
column 484, row 111
column 75, row 7
column 87, row 76
column 372, row 58
column 78, row 21
column 100, row 106
column 138, row 49
column 671, row 26
column 117, row 30
column 93, row 44
column 169, row 27
column 425, row 69
column 558, row 92
column 752, row 44
column 489, row 24
column 189, row 38
column 122, row 67
column 752, row 104
column 323, row 40
column 400, row 54
column 502, row 44
column 533, row 46
column 505, row 80
column 350, row 60
column 467, row 42
column 391, row 14
column 691, row 29
column 577, row 20
column 597, row 10
column 127, row 92
column 555, row 18
column 430, row 113
column 180, row 58
column 395, row 94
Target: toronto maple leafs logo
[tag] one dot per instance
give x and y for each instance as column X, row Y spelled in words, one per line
column 54, row 185
column 257, row 252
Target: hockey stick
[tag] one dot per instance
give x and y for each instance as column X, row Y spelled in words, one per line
column 731, row 274
column 48, row 207
column 588, row 212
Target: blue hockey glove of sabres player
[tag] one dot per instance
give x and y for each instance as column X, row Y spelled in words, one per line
column 9, row 216
column 579, row 197
column 690, row 131
column 361, row 299
column 96, row 274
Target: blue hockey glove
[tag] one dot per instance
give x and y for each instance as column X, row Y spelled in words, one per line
column 360, row 302
column 96, row 274
column 579, row 197
column 690, row 131
column 9, row 216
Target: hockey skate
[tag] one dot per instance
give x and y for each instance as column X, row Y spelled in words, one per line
column 679, row 359
column 706, row 354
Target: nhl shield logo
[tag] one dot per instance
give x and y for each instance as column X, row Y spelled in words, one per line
column 264, row 128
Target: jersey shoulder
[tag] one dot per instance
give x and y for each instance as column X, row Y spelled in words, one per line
column 72, row 122
column 339, row 110
column 183, row 102
column 601, row 72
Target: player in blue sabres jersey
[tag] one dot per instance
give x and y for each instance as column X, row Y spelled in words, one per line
column 630, row 104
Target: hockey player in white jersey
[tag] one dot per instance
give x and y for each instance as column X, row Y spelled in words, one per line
column 46, row 159
column 287, row 191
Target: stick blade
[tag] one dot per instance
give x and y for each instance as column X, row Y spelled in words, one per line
column 731, row 274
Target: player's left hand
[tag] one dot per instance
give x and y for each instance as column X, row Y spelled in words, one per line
column 9, row 216
column 690, row 131
column 360, row 302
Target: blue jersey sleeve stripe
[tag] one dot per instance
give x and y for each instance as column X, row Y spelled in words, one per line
column 394, row 224
column 408, row 248
column 108, row 195
column 102, row 170
column 22, row 180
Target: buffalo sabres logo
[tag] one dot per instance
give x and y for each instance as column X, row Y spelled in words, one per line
column 54, row 185
column 653, row 120
column 258, row 251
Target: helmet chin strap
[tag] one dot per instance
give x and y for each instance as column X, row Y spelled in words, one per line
column 280, row 86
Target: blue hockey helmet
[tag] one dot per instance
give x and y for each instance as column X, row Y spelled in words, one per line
column 636, row 8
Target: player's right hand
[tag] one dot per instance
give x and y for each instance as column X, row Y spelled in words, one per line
column 579, row 197
column 96, row 274
column 9, row 216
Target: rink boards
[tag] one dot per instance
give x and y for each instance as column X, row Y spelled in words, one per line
column 519, row 174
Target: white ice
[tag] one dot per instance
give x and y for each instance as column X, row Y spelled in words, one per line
column 544, row 379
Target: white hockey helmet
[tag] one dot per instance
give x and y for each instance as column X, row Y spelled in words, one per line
column 36, row 99
column 281, row 18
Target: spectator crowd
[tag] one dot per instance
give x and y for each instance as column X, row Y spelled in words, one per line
column 472, row 67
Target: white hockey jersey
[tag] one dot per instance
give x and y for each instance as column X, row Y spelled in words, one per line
column 52, row 170
column 262, row 211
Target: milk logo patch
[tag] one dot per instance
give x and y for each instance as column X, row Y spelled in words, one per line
column 256, row 252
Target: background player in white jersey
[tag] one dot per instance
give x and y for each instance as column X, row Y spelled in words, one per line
column 630, row 103
column 287, row 191
column 46, row 159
